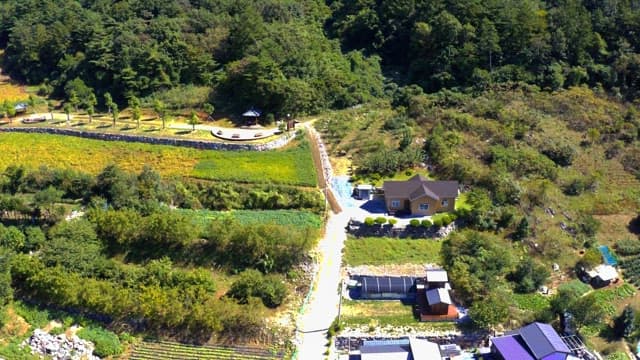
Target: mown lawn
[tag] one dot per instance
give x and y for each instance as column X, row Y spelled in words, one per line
column 382, row 251
column 292, row 166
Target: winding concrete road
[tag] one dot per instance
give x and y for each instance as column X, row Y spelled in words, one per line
column 322, row 308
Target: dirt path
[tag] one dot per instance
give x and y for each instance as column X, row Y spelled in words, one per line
column 323, row 305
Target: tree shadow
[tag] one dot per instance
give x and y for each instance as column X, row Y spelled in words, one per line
column 103, row 126
column 78, row 124
column 127, row 128
column 183, row 132
column 634, row 225
column 153, row 129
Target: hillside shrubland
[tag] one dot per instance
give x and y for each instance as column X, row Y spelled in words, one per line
column 544, row 170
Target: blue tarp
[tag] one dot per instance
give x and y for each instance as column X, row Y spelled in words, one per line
column 608, row 257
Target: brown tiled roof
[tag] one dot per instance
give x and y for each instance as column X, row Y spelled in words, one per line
column 418, row 186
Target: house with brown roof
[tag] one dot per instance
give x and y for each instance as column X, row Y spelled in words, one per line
column 419, row 196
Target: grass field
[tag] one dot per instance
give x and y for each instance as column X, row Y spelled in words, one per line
column 380, row 313
column 294, row 218
column 381, row 251
column 292, row 166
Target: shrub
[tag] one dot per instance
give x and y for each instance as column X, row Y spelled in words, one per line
column 414, row 222
column 106, row 342
column 446, row 220
column 380, row 220
column 426, row 223
column 369, row 221
column 437, row 222
column 392, row 222
column 251, row 283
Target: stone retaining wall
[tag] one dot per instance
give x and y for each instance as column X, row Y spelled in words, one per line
column 193, row 143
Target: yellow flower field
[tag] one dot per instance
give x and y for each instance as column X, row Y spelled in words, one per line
column 293, row 166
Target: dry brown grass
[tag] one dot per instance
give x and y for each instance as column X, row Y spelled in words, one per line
column 15, row 326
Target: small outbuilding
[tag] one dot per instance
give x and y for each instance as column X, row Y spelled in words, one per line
column 436, row 278
column 364, row 192
column 438, row 301
column 251, row 116
column 602, row 275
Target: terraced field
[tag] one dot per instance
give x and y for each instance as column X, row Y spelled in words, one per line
column 291, row 166
column 176, row 351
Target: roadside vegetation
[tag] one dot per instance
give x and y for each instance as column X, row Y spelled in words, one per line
column 132, row 260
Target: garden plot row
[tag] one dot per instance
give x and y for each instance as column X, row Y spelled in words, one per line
column 171, row 351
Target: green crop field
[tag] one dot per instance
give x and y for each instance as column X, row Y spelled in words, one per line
column 292, row 166
column 177, row 351
column 295, row 218
column 381, row 251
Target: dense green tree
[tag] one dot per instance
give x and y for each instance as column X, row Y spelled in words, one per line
column 529, row 276
column 490, row 311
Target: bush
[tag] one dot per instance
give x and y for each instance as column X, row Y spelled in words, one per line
column 369, row 221
column 251, row 283
column 381, row 220
column 414, row 223
column 426, row 223
column 392, row 222
column 437, row 222
column 106, row 342
column 446, row 220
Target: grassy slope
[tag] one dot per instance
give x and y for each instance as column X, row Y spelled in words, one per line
column 290, row 166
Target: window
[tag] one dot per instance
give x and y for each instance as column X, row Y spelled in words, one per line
column 424, row 206
column 445, row 202
column 395, row 203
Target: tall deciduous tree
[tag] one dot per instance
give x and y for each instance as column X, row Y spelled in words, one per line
column 161, row 109
column 134, row 104
column 91, row 103
column 67, row 110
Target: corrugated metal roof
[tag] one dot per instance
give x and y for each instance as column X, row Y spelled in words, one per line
column 438, row 296
column 437, row 275
column 543, row 340
column 511, row 347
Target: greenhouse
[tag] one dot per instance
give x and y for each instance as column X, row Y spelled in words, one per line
column 387, row 287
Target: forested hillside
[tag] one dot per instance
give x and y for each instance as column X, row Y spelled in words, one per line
column 302, row 57
column 459, row 43
column 269, row 54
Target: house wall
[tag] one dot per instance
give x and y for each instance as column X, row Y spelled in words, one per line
column 435, row 206
column 387, row 296
column 404, row 204
column 439, row 309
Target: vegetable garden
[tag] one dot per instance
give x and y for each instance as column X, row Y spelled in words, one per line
column 176, row 351
column 629, row 260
